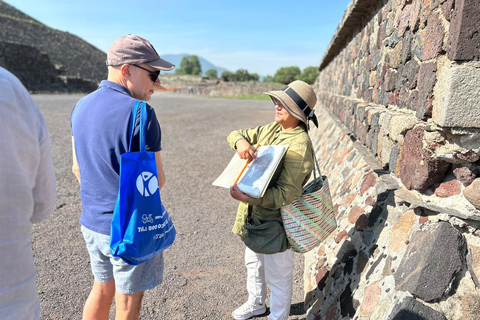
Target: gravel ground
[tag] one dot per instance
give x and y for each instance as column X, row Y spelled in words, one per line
column 204, row 272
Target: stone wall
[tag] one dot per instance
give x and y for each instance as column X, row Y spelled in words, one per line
column 400, row 142
column 27, row 43
column 37, row 73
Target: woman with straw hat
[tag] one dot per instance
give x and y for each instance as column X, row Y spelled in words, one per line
column 293, row 111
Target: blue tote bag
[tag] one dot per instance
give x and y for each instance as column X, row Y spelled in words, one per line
column 141, row 227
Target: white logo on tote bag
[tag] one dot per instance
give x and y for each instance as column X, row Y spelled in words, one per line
column 147, row 184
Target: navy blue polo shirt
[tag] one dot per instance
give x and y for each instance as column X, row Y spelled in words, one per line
column 100, row 127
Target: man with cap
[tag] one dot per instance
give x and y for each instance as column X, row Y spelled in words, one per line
column 293, row 111
column 100, row 122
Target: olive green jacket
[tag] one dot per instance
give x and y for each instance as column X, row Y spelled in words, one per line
column 291, row 175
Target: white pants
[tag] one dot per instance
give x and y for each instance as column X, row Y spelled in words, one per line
column 274, row 271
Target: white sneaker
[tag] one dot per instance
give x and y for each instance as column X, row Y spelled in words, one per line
column 248, row 310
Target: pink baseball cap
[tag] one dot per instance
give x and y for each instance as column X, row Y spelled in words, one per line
column 132, row 49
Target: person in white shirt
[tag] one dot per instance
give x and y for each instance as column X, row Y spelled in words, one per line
column 27, row 195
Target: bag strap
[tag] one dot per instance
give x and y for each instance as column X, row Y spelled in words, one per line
column 317, row 167
column 143, row 124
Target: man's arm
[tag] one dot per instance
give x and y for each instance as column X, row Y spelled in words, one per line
column 160, row 173
column 75, row 167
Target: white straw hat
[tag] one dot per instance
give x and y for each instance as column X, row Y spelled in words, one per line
column 299, row 99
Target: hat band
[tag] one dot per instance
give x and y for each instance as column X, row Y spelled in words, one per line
column 309, row 114
column 298, row 100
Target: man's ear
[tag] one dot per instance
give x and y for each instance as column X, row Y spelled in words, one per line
column 125, row 69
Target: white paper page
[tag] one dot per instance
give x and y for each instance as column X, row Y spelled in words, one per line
column 231, row 172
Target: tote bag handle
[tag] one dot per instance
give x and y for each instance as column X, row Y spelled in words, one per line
column 143, row 124
column 317, row 167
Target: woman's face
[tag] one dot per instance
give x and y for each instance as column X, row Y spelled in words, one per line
column 285, row 119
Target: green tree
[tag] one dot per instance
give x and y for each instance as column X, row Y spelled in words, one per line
column 309, row 75
column 254, row 77
column 190, row 65
column 268, row 79
column 212, row 74
column 242, row 75
column 286, row 75
column 227, row 76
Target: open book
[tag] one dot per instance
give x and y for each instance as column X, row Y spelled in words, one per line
column 255, row 178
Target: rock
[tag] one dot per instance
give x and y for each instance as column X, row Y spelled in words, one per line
column 470, row 306
column 434, row 41
column 448, row 189
column 473, row 263
column 418, row 169
column 371, row 299
column 472, row 193
column 464, row 175
column 432, row 260
column 412, row 309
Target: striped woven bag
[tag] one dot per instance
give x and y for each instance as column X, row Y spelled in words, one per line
column 310, row 219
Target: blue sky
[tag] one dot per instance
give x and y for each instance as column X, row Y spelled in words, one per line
column 260, row 36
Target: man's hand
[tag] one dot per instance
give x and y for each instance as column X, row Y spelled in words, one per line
column 237, row 194
column 244, row 150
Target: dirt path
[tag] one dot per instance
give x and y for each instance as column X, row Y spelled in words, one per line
column 204, row 273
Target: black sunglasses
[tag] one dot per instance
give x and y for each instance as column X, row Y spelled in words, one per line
column 153, row 74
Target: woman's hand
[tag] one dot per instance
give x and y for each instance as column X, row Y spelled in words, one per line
column 237, row 194
column 244, row 150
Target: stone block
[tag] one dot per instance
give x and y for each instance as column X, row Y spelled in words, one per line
column 354, row 214
column 360, row 131
column 407, row 47
column 360, row 111
column 447, row 10
column 470, row 306
column 371, row 299
column 411, row 309
column 381, row 35
column 472, row 193
column 321, row 277
column 399, row 125
column 340, row 236
column 369, row 181
column 347, row 307
column 403, row 97
column 418, row 169
column 408, row 74
column 361, row 223
column 372, row 140
column 393, row 160
column 415, row 15
column 390, row 80
column 394, row 57
column 417, row 44
column 331, row 312
column 387, row 146
column 401, row 231
column 432, row 261
column 393, row 98
column 376, row 58
column 448, row 189
column 473, row 262
column 469, row 156
column 464, row 34
column 426, row 81
column 465, row 175
column 434, row 41
column 362, row 262
column 346, row 251
column 404, row 20
column 457, row 96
